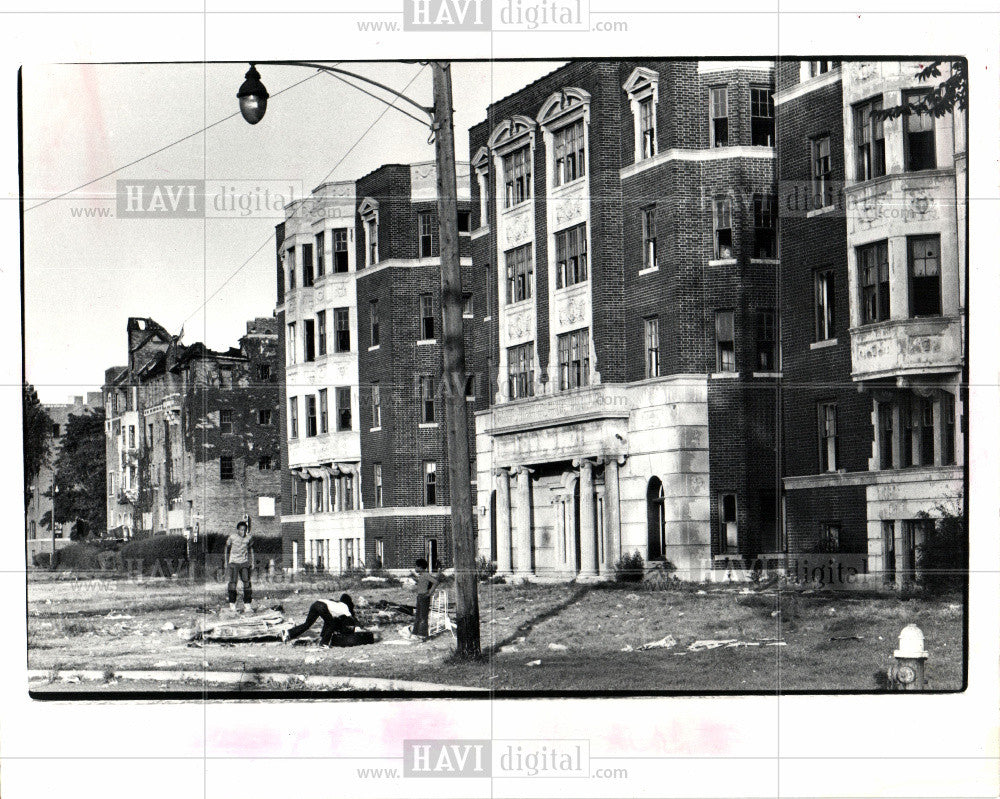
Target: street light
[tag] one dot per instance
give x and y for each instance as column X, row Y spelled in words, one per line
column 253, row 97
column 253, row 104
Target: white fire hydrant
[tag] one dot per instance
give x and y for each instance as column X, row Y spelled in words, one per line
column 907, row 673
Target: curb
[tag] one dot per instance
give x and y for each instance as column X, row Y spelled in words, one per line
column 255, row 679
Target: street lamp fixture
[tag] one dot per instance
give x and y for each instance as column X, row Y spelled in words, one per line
column 253, row 103
column 253, row 97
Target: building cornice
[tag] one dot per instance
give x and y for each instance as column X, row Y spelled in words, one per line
column 697, row 154
column 807, row 86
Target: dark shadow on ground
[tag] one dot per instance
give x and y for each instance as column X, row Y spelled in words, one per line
column 526, row 627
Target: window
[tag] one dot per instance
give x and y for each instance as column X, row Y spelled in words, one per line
column 767, row 340
column 431, row 554
column 264, row 417
column 568, row 151
column 340, row 250
column 574, row 359
column 517, row 177
column 430, row 483
column 822, row 187
column 321, row 332
column 344, row 408
column 468, row 307
column 521, row 371
column 918, row 133
column 226, row 469
column 765, row 240
column 307, row 265
column 918, row 435
column 520, row 266
column 829, row 537
column 309, row 340
column 131, row 434
column 923, row 257
column 827, row 415
column 948, row 419
column 818, row 68
column 885, row 433
column 725, row 342
column 648, row 220
column 873, row 269
column 225, row 421
column 427, row 234
column 376, row 405
column 373, row 323
column 465, row 221
column 377, row 481
column 761, row 116
column 718, row 131
column 487, row 279
column 324, row 411
column 651, row 336
column 320, row 254
column 426, row 389
column 728, row 523
column 571, row 256
column 823, row 290
column 647, row 128
column 311, row 427
column 371, row 239
column 264, row 463
column 427, row 317
column 264, row 372
column 869, row 140
column 291, row 269
column 722, row 226
column 342, row 329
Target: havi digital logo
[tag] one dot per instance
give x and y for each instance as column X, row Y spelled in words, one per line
column 453, row 15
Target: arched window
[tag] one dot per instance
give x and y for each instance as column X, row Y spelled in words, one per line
column 655, row 521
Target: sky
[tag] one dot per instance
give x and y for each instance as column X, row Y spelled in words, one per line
column 86, row 270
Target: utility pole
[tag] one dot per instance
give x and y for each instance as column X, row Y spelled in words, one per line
column 454, row 382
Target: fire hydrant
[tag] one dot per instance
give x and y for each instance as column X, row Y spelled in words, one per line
column 907, row 673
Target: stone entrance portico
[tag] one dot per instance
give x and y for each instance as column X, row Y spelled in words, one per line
column 563, row 479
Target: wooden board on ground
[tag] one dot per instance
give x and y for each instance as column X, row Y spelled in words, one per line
column 247, row 628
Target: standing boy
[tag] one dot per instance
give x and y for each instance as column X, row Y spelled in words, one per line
column 426, row 583
column 239, row 563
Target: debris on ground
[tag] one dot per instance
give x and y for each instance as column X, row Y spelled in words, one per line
column 847, row 638
column 731, row 643
column 558, row 647
column 667, row 642
column 113, row 615
column 533, row 663
column 627, row 648
column 168, row 627
column 262, row 626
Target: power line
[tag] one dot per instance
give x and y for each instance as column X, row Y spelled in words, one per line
column 160, row 150
column 385, row 110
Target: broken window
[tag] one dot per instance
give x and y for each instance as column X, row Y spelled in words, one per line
column 651, row 336
column 344, row 408
column 521, row 371
column 574, row 359
column 827, row 413
column 924, row 259
column 517, row 176
column 571, row 256
column 722, row 224
column 873, row 269
column 718, row 131
column 725, row 341
column 568, row 152
column 918, row 133
column 823, row 288
column 520, row 268
column 822, row 186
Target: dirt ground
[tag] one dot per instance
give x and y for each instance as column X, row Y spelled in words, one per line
column 534, row 637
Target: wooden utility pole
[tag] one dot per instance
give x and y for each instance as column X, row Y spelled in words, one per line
column 454, row 377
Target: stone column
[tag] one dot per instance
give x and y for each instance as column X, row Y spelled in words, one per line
column 504, row 564
column 522, row 523
column 612, row 520
column 588, row 534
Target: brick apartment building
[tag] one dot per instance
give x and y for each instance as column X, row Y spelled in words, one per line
column 41, row 531
column 873, row 231
column 628, row 238
column 192, row 434
column 358, row 281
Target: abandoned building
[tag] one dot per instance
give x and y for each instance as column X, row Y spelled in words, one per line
column 192, row 434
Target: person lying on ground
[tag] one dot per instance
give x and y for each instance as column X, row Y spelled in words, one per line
column 337, row 615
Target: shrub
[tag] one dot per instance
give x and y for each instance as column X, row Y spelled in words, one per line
column 485, row 569
column 158, row 555
column 41, row 559
column 943, row 558
column 630, row 568
column 78, row 556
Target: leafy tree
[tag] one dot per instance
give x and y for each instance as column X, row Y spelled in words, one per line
column 80, row 475
column 37, row 428
column 950, row 94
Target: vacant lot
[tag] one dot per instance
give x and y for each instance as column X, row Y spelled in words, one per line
column 535, row 637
